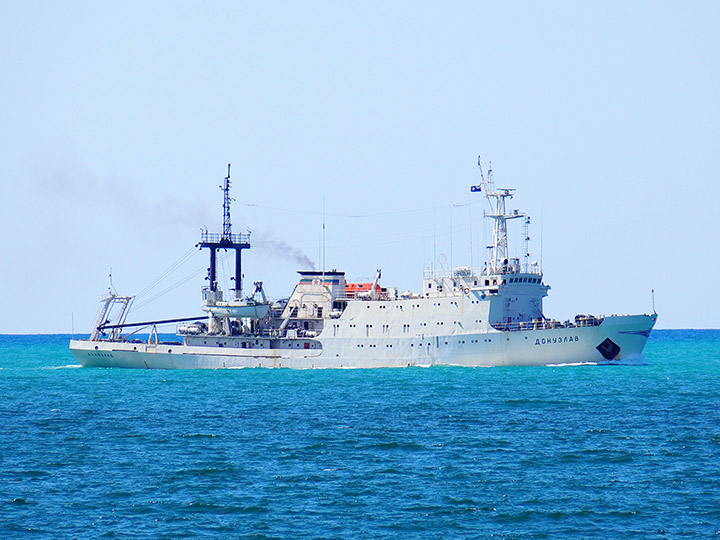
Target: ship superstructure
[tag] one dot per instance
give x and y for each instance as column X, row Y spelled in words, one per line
column 464, row 317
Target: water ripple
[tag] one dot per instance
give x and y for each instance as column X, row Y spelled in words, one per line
column 559, row 452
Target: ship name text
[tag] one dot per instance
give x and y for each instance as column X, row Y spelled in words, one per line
column 553, row 341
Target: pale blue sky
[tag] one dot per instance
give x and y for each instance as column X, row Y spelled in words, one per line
column 119, row 119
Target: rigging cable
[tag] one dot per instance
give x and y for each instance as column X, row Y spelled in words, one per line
column 177, row 284
column 174, row 266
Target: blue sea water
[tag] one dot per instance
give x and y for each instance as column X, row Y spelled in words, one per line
column 538, row 452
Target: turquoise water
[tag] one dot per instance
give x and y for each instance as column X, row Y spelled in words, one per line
column 542, row 452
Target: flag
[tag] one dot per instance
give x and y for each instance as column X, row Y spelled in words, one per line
column 476, row 188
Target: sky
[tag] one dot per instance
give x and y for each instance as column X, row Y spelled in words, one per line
column 119, row 119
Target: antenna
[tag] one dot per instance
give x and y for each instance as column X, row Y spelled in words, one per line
column 471, row 233
column 652, row 293
column 227, row 226
column 542, row 213
column 434, row 241
column 526, row 241
column 451, row 237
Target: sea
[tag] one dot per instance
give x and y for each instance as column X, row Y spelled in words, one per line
column 582, row 451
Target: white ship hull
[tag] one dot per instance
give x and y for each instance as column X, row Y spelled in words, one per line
column 518, row 348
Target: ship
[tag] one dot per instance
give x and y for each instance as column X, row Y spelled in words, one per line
column 488, row 317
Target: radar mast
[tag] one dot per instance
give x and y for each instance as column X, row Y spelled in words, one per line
column 499, row 259
column 226, row 240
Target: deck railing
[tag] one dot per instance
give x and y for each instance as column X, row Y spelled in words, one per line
column 216, row 238
column 547, row 324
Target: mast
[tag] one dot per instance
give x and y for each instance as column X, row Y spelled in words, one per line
column 226, row 240
column 526, row 244
column 227, row 226
column 496, row 197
